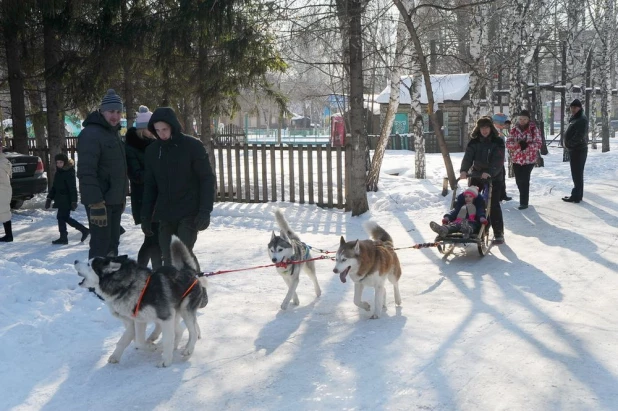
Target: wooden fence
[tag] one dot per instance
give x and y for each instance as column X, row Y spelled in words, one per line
column 261, row 173
column 302, row 174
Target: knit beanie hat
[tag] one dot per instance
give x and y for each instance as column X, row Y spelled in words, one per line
column 62, row 157
column 111, row 101
column 472, row 190
column 484, row 122
column 576, row 103
column 143, row 116
column 524, row 113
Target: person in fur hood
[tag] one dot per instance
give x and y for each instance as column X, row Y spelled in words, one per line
column 137, row 139
column 64, row 195
column 466, row 217
column 484, row 156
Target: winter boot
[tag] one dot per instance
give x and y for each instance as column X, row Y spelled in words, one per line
column 442, row 230
column 85, row 234
column 8, row 233
column 63, row 240
column 466, row 230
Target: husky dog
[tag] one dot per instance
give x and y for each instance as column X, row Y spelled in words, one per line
column 138, row 295
column 369, row 263
column 287, row 247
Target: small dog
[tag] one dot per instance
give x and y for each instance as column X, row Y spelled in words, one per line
column 138, row 295
column 286, row 248
column 369, row 263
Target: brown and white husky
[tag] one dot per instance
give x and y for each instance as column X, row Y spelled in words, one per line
column 369, row 263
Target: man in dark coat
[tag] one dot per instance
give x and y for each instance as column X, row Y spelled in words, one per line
column 178, row 180
column 102, row 173
column 137, row 139
column 576, row 141
column 485, row 156
column 64, row 195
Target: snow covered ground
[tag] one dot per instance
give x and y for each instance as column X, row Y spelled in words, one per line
column 531, row 326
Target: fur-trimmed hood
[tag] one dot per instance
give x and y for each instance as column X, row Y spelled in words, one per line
column 69, row 165
column 134, row 140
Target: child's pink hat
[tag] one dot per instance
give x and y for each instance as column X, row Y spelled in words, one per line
column 472, row 190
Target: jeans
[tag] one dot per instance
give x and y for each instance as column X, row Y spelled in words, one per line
column 578, row 162
column 184, row 229
column 522, row 178
column 105, row 240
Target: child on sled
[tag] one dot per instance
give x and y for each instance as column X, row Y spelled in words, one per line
column 466, row 217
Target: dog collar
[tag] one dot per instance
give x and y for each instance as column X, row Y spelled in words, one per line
column 91, row 289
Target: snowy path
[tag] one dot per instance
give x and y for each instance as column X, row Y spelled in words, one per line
column 531, row 326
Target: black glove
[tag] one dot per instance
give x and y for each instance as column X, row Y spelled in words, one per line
column 523, row 144
column 74, row 206
column 147, row 227
column 48, row 203
column 202, row 221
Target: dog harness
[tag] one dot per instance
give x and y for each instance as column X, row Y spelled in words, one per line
column 304, row 252
column 141, row 295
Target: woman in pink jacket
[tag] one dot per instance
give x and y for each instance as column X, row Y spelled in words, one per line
column 523, row 144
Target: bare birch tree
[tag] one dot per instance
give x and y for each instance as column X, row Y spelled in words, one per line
column 393, row 104
column 407, row 16
column 478, row 60
column 605, row 72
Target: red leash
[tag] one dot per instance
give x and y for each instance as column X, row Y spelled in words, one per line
column 282, row 264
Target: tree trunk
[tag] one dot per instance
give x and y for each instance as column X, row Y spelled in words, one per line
column 572, row 63
column 430, row 102
column 393, row 105
column 606, row 74
column 478, row 74
column 127, row 71
column 53, row 90
column 357, row 194
column 38, row 116
column 416, row 112
column 16, row 87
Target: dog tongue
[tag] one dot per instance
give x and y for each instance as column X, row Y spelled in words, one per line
column 343, row 275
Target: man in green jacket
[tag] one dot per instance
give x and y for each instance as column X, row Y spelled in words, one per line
column 576, row 141
column 102, row 173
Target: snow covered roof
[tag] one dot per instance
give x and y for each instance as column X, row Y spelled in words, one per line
column 445, row 87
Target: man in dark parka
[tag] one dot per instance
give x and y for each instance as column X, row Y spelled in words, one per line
column 576, row 141
column 179, row 186
column 102, row 173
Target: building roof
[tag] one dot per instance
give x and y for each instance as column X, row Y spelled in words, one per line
column 446, row 87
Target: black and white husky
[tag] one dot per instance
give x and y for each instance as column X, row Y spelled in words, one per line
column 286, row 248
column 138, row 295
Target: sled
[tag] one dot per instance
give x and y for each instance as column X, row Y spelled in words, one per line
column 447, row 244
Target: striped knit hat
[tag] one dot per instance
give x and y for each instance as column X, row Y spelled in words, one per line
column 143, row 116
column 111, row 101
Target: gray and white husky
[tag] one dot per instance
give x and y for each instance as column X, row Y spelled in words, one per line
column 138, row 295
column 287, row 247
